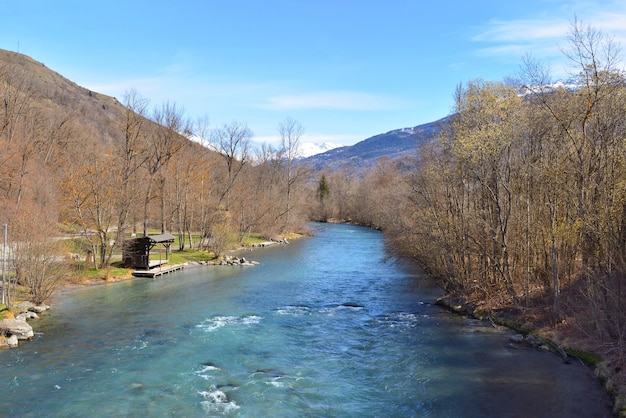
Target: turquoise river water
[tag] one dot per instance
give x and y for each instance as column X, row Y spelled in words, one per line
column 323, row 327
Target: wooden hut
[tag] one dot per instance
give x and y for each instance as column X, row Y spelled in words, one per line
column 136, row 251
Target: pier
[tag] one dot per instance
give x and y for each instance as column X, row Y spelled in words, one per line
column 158, row 271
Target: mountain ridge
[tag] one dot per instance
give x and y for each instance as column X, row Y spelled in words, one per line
column 394, row 144
column 100, row 116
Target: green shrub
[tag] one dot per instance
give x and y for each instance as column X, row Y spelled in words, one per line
column 587, row 358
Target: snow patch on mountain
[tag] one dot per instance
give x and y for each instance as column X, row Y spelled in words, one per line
column 308, row 149
column 570, row 85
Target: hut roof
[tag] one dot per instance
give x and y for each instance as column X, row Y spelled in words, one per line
column 162, row 238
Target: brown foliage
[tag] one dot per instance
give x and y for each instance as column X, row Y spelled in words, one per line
column 77, row 158
column 521, row 201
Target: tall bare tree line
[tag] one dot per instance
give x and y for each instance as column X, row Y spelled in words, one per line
column 523, row 194
column 57, row 177
column 205, row 192
column 32, row 141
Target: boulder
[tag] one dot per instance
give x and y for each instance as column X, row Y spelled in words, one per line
column 20, row 329
column 25, row 306
column 26, row 316
column 12, row 341
column 39, row 308
column 532, row 341
column 31, row 307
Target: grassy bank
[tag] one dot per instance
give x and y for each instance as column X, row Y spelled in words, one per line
column 80, row 273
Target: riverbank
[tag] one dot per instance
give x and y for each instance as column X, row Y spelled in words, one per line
column 345, row 332
column 462, row 308
column 563, row 339
column 14, row 323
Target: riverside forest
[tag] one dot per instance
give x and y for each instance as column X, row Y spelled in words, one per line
column 517, row 207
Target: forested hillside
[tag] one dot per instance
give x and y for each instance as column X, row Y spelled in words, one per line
column 76, row 161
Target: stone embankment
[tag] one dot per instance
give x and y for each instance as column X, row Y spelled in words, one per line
column 270, row 243
column 227, row 261
column 232, row 260
column 14, row 329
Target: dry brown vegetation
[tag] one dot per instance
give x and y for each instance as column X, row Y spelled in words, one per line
column 519, row 206
column 76, row 161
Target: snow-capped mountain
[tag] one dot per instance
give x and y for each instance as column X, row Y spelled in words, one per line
column 308, row 149
column 570, row 85
column 393, row 145
column 305, row 149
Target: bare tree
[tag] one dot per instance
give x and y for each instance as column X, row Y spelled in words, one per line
column 163, row 143
column 37, row 258
column 129, row 156
column 290, row 132
column 232, row 142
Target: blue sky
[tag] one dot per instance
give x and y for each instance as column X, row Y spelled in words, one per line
column 344, row 69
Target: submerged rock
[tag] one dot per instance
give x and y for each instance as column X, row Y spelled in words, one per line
column 271, row 372
column 351, row 305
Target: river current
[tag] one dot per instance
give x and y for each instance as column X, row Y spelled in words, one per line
column 326, row 326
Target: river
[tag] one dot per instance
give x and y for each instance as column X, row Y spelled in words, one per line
column 324, row 327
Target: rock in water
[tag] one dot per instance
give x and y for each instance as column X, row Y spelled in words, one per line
column 25, row 306
column 30, row 307
column 20, row 329
column 12, row 341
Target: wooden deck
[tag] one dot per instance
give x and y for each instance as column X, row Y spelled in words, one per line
column 158, row 271
column 156, row 263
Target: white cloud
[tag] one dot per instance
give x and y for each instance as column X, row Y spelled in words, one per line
column 517, row 51
column 543, row 36
column 339, row 100
column 610, row 22
column 316, row 138
column 517, row 38
column 523, row 30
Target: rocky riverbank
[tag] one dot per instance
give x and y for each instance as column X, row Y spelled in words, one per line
column 12, row 330
column 226, row 261
column 543, row 339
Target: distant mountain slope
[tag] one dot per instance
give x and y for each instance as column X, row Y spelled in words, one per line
column 101, row 116
column 393, row 144
column 97, row 114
